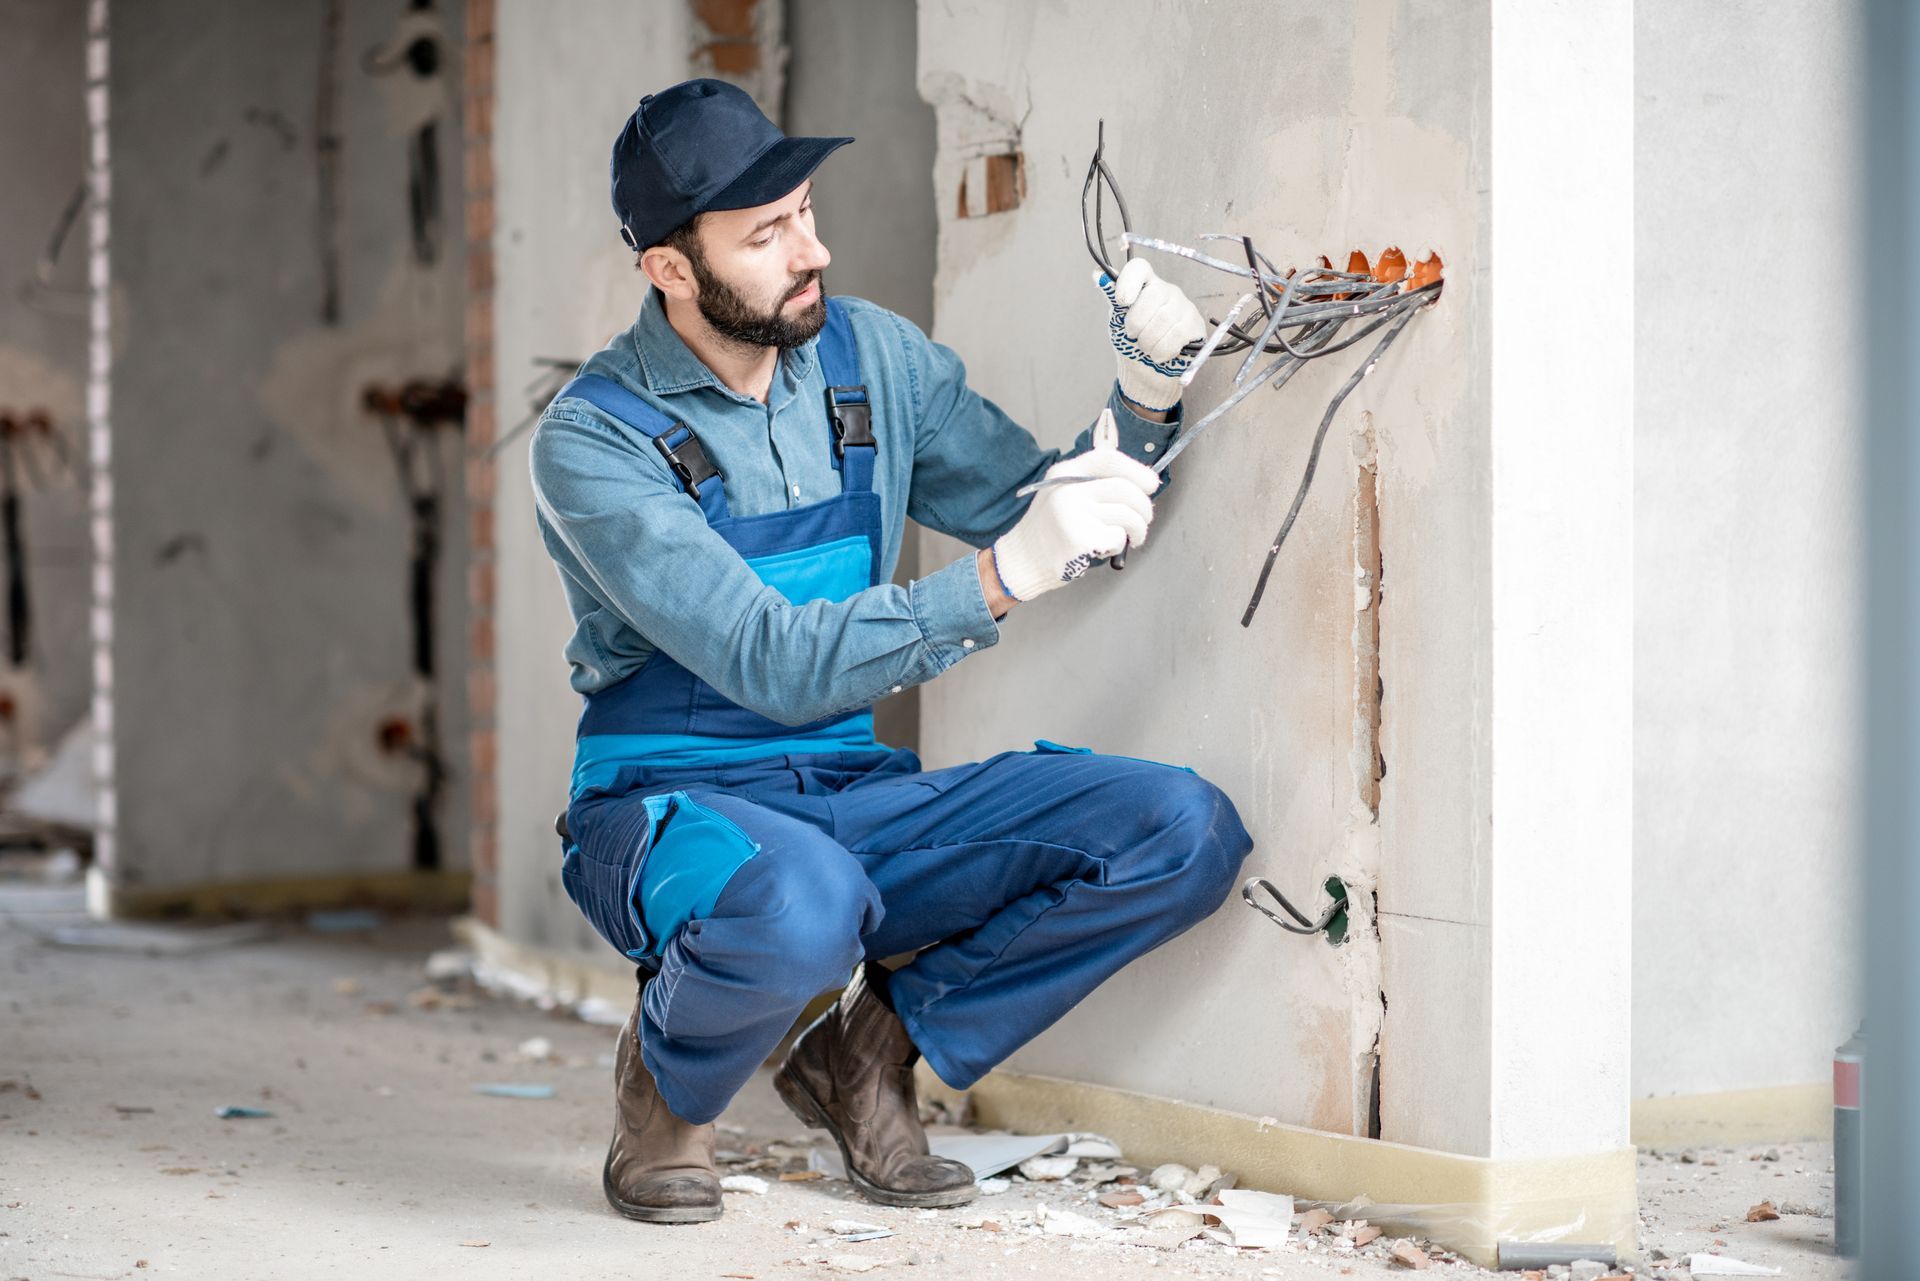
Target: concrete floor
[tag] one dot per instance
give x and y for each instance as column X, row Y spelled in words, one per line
column 381, row 1160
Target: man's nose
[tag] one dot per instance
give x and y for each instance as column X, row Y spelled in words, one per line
column 809, row 253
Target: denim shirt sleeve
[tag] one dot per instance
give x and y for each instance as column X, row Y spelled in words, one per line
column 969, row 457
column 627, row 532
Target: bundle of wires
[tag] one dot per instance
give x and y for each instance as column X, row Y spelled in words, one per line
column 1302, row 316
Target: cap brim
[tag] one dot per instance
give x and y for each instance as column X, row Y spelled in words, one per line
column 785, row 166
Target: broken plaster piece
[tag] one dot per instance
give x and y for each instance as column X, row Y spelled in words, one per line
column 1065, row 1223
column 1170, row 1177
column 744, row 1183
column 1048, row 1169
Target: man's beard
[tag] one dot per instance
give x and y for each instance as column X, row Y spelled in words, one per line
column 733, row 316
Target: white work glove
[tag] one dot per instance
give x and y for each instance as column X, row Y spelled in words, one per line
column 1070, row 526
column 1152, row 320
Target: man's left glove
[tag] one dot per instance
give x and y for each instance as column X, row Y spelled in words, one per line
column 1152, row 320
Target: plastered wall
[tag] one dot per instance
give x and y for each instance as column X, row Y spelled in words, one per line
column 260, row 537
column 1748, row 584
column 1316, row 130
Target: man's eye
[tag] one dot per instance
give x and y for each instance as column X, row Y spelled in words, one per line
column 762, row 243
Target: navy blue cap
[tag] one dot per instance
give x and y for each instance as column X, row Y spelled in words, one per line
column 702, row 145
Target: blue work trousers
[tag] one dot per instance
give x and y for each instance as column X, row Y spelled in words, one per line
column 1022, row 882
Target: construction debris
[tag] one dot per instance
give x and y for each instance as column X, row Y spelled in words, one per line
column 1762, row 1213
column 1408, row 1255
column 744, row 1183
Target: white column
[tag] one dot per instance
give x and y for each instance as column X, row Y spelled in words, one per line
column 1562, row 575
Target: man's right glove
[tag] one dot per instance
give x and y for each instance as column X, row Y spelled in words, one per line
column 1070, row 526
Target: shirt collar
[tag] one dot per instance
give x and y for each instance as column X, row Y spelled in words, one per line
column 668, row 365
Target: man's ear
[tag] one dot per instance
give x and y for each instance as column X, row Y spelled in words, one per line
column 670, row 273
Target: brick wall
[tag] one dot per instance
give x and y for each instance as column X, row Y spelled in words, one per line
column 482, row 426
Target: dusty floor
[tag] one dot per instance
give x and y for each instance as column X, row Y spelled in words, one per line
column 381, row 1160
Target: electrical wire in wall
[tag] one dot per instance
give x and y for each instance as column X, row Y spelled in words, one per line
column 1293, row 317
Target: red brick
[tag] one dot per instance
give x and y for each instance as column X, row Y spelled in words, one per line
column 480, row 584
column 486, row 799
column 482, row 748
column 481, row 475
column 479, row 68
column 480, row 527
column 480, row 374
column 486, row 902
column 733, row 57
column 481, row 693
column 479, row 166
column 480, row 272
column 481, row 423
column 735, row 18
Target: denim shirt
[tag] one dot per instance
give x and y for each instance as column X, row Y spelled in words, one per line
column 641, row 568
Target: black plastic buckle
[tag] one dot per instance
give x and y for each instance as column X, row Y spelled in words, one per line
column 852, row 420
column 688, row 459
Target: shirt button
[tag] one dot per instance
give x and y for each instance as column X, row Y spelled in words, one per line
column 967, row 643
column 1149, row 447
column 796, row 491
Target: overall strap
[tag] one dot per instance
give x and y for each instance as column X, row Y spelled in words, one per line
column 849, row 411
column 675, row 440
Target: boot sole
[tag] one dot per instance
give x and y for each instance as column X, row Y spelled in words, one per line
column 654, row 1213
column 800, row 1101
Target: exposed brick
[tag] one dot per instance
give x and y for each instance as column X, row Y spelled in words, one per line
column 480, row 584
column 482, row 693
column 486, row 902
column 482, row 751
column 480, row 527
column 483, row 852
column 735, row 18
column 479, row 373
column 479, row 68
column 478, row 166
column 733, row 57
column 480, row 423
column 480, row 220
column 476, row 115
column 480, row 321
column 481, row 479
column 486, row 799
column 480, row 20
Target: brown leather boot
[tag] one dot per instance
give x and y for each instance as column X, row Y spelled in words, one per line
column 659, row 1168
column 851, row 1074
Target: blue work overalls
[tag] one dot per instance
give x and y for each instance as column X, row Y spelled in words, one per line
column 765, row 861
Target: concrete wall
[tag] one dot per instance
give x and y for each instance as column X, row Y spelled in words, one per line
column 260, row 542
column 852, row 71
column 566, row 283
column 43, row 331
column 1318, row 130
column 1748, row 588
